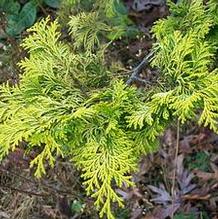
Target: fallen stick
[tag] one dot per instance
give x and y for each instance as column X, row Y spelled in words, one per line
column 136, row 71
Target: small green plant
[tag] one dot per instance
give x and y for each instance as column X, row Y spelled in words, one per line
column 19, row 17
column 200, row 160
column 185, row 216
column 77, row 207
column 201, row 215
column 68, row 103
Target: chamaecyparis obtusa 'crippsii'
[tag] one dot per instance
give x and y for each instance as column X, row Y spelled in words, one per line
column 67, row 103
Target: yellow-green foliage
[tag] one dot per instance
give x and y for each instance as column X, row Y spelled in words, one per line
column 184, row 54
column 105, row 19
column 185, row 57
column 56, row 109
column 65, row 104
column 86, row 28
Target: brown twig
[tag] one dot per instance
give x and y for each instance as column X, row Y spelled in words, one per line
column 196, row 197
column 136, row 71
column 175, row 167
column 24, row 191
column 42, row 8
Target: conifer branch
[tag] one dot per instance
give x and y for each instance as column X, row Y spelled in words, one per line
column 136, row 71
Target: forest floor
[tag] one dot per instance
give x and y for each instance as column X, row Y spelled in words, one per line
column 179, row 181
